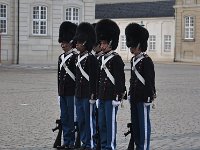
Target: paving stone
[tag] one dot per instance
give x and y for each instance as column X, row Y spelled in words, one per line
column 29, row 108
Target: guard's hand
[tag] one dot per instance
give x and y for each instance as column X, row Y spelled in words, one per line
column 116, row 103
column 92, row 101
column 155, row 96
column 153, row 105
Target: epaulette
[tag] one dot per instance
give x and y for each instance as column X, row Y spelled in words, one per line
column 74, row 52
column 145, row 55
column 61, row 55
column 100, row 56
column 89, row 53
column 115, row 53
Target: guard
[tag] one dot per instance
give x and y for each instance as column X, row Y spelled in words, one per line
column 111, row 82
column 66, row 82
column 142, row 85
column 86, row 73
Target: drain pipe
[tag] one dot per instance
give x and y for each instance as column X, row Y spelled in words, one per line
column 18, row 32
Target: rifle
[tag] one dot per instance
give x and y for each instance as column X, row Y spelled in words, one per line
column 96, row 136
column 58, row 127
column 130, row 131
column 77, row 140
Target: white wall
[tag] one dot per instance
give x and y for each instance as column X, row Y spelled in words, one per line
column 39, row 49
column 124, row 1
column 7, row 40
column 155, row 26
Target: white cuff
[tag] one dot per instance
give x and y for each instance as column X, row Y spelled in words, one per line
column 58, row 100
column 92, row 101
column 116, row 103
column 129, row 98
column 147, row 104
column 97, row 103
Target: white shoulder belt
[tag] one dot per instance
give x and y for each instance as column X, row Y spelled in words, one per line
column 103, row 66
column 80, row 67
column 136, row 72
column 64, row 59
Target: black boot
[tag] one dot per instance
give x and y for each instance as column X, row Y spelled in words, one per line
column 63, row 147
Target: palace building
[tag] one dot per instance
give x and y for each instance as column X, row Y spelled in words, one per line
column 29, row 29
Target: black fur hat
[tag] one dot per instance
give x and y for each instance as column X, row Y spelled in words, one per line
column 108, row 30
column 85, row 33
column 136, row 34
column 94, row 26
column 67, row 31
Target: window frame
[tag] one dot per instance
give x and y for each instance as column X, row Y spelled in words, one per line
column 167, row 43
column 40, row 20
column 4, row 19
column 152, row 43
column 123, row 46
column 73, row 8
column 188, row 2
column 189, row 34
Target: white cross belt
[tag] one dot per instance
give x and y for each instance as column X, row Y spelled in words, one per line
column 64, row 59
column 103, row 66
column 139, row 76
column 80, row 67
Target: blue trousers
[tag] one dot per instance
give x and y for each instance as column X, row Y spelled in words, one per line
column 107, row 124
column 86, row 121
column 67, row 119
column 141, row 125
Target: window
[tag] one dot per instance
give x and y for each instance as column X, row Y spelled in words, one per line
column 39, row 20
column 72, row 15
column 167, row 43
column 189, row 27
column 3, row 18
column 123, row 43
column 188, row 2
column 152, row 43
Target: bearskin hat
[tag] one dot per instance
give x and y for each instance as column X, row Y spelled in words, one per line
column 109, row 31
column 67, row 31
column 136, row 34
column 85, row 33
column 94, row 26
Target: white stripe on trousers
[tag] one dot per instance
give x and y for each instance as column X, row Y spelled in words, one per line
column 113, row 128
column 75, row 116
column 91, row 126
column 145, row 127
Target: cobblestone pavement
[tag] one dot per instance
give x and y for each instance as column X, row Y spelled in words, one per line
column 28, row 108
